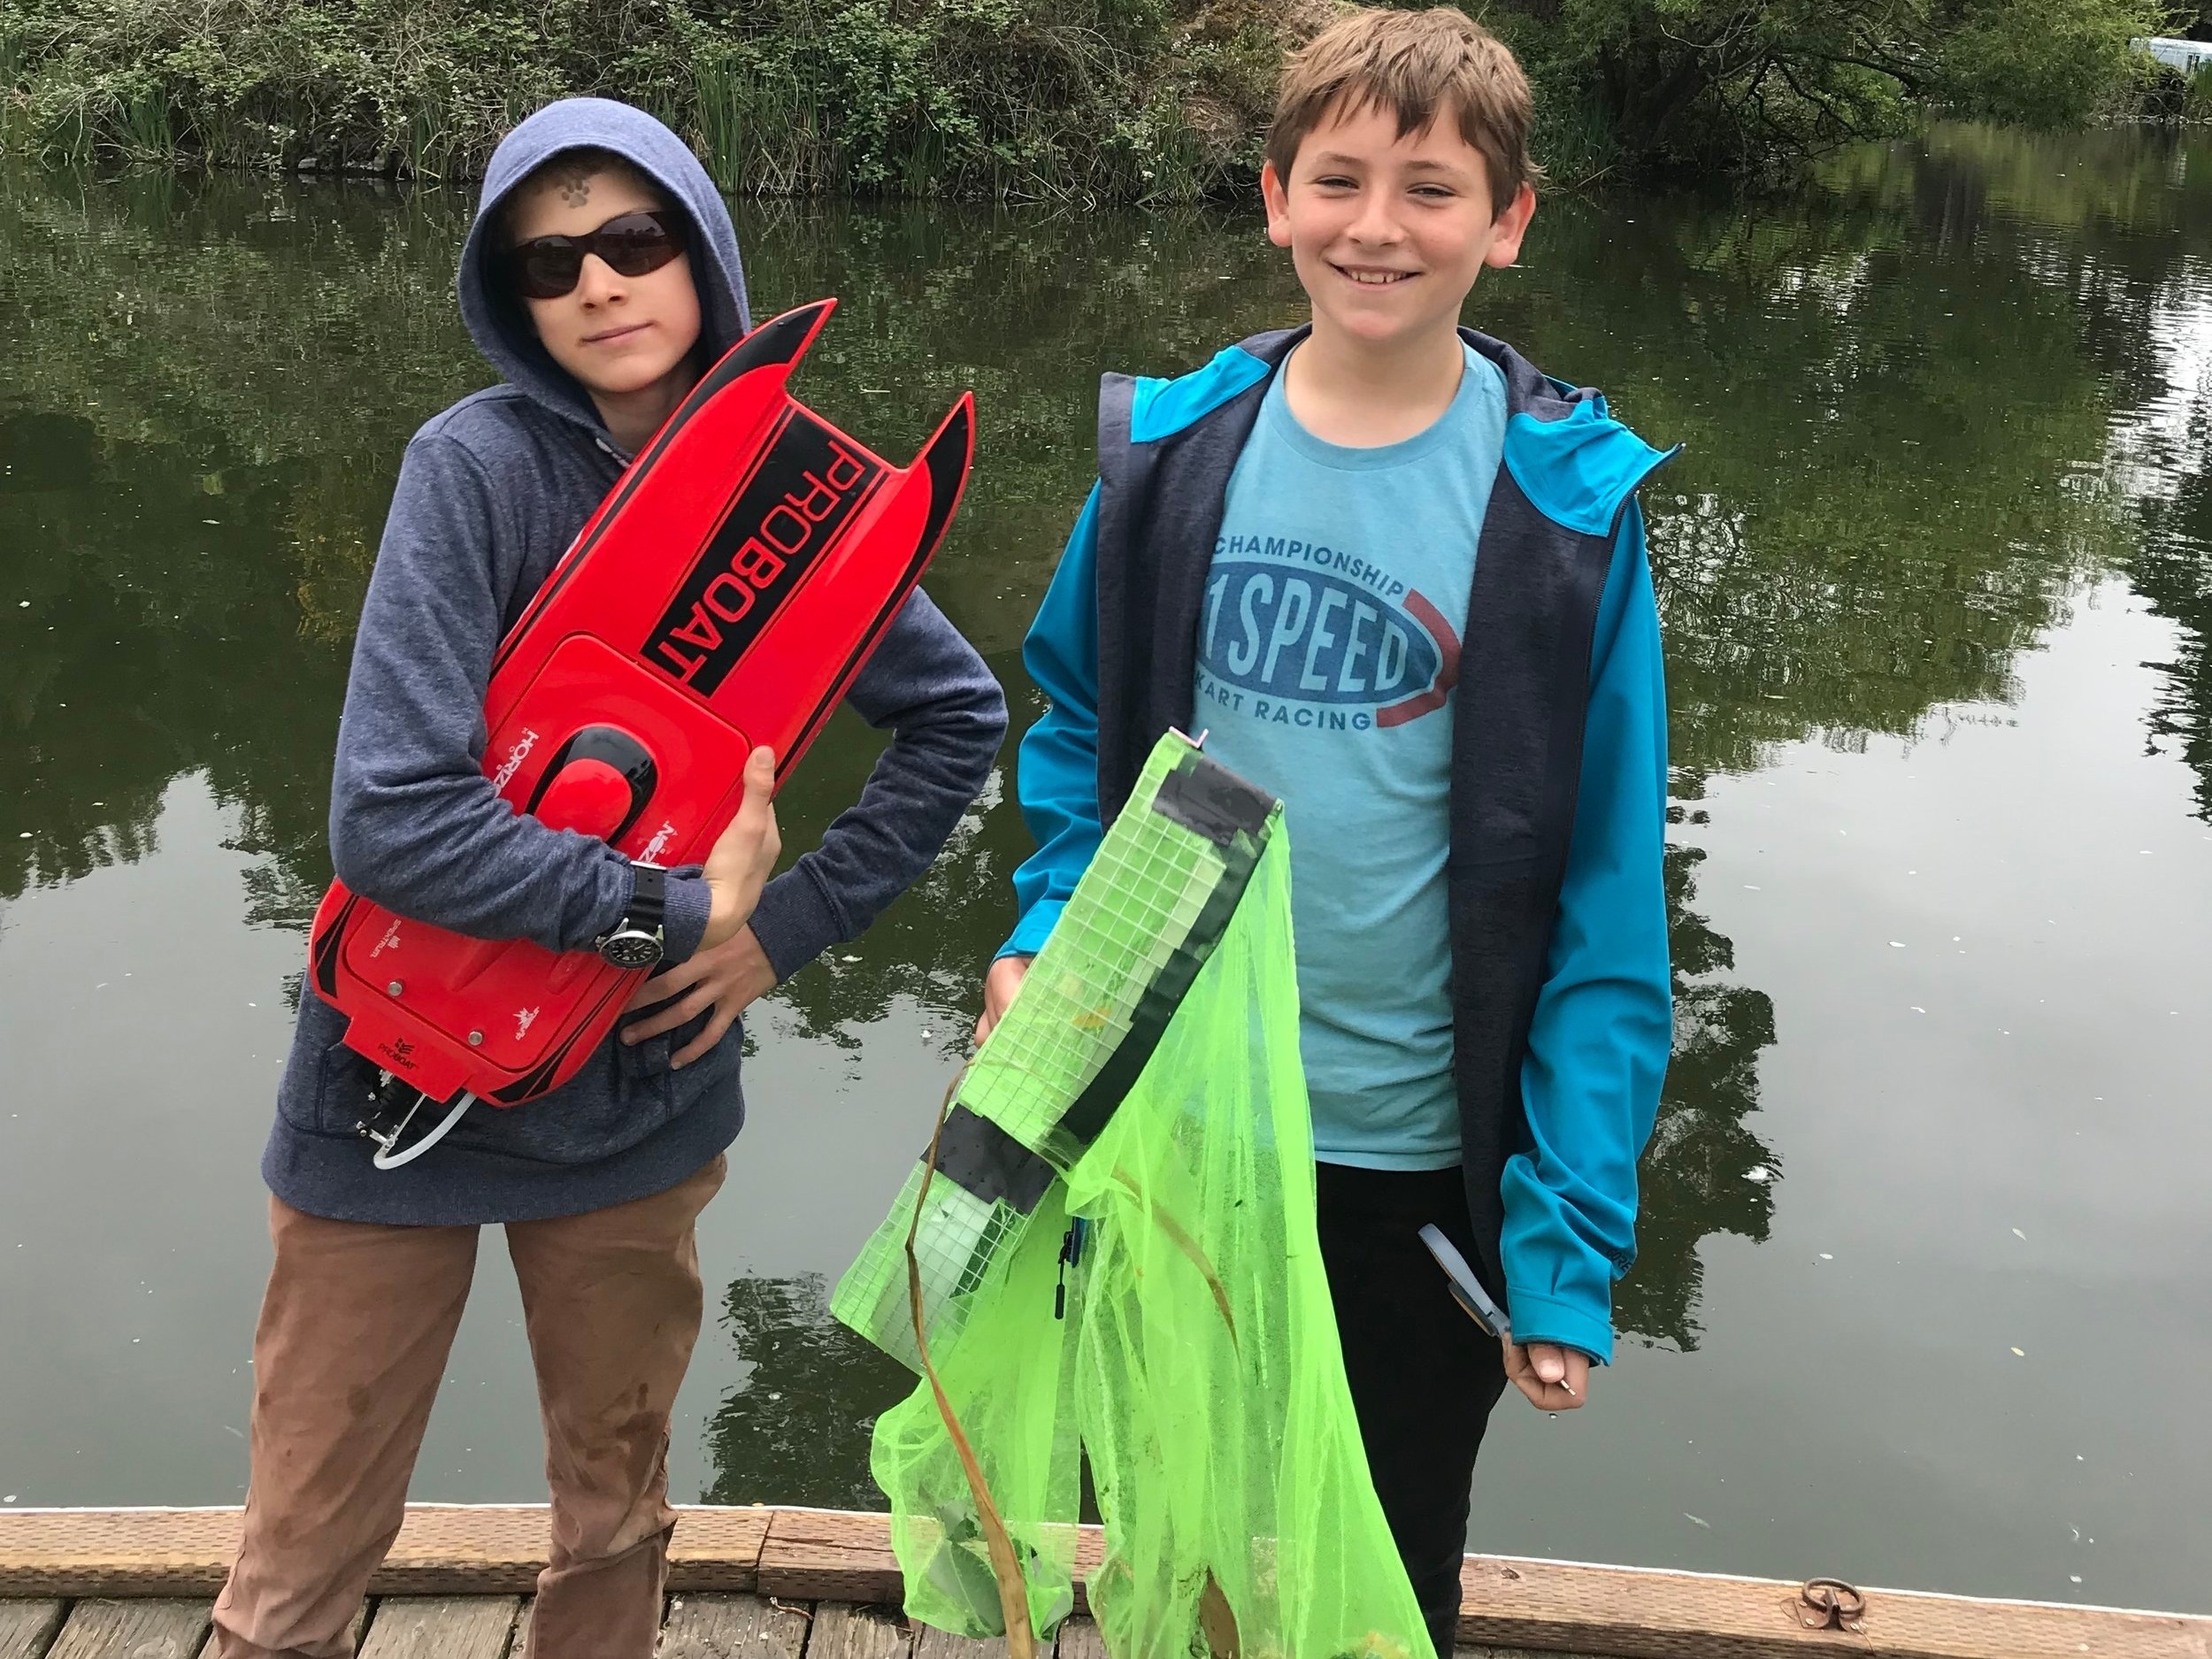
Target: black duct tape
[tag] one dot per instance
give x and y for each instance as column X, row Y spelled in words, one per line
column 1207, row 799
column 974, row 1153
column 1210, row 800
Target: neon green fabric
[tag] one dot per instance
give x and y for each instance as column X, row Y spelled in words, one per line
column 1139, row 925
column 1016, row 1401
column 1191, row 1348
column 1210, row 1393
column 1012, row 1381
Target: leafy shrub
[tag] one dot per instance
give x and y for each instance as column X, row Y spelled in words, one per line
column 1075, row 101
column 2042, row 63
column 1070, row 99
column 1727, row 86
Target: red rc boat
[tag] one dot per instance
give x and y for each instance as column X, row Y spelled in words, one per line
column 723, row 596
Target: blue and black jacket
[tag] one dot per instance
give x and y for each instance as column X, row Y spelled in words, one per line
column 1561, row 1007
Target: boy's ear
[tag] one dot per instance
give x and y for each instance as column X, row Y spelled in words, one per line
column 1509, row 226
column 1278, row 199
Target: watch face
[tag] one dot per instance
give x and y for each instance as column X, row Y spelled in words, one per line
column 632, row 949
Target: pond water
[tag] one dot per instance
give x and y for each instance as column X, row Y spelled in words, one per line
column 1925, row 1291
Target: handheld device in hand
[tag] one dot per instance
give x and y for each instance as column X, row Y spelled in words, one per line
column 723, row 596
column 1466, row 1289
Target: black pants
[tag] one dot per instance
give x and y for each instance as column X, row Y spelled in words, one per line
column 1423, row 1375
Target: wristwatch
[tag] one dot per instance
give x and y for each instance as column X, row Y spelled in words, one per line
column 636, row 941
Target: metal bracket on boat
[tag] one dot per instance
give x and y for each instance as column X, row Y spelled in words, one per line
column 383, row 1101
column 1830, row 1604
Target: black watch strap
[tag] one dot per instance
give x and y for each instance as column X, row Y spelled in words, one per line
column 649, row 899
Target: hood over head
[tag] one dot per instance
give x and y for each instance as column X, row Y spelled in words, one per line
column 496, row 319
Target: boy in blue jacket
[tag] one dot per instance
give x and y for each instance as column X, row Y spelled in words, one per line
column 600, row 278
column 1399, row 576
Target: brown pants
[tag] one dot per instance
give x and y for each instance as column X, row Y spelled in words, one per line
column 354, row 1335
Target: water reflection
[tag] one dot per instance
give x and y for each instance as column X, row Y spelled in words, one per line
column 141, row 646
column 2175, row 573
column 1705, row 1172
column 2116, row 225
column 797, row 1431
column 1924, row 408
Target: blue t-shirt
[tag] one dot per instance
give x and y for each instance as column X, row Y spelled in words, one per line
column 1328, row 649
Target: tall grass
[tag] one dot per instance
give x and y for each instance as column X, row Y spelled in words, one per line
column 763, row 129
column 1075, row 101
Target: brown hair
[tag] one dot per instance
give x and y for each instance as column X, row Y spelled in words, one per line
column 1411, row 63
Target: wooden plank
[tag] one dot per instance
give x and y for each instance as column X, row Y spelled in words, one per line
column 711, row 1626
column 1547, row 1607
column 1090, row 1551
column 843, row 1630
column 716, row 1549
column 1626, row 1613
column 433, row 1627
column 26, row 1628
column 467, row 1549
column 837, row 1556
column 932, row 1643
column 117, row 1552
column 442, row 1549
column 451, row 1549
column 828, row 1556
column 133, row 1630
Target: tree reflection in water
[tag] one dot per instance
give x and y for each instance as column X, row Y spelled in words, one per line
column 1924, row 405
column 796, row 1429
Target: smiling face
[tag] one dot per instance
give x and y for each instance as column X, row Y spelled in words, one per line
column 1388, row 232
column 628, row 339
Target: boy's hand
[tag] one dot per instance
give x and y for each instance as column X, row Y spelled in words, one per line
column 1554, row 1378
column 999, row 985
column 728, row 978
column 743, row 858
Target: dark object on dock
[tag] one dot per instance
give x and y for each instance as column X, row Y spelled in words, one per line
column 812, row 1584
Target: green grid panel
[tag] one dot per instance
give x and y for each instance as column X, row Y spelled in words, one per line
column 1132, row 913
column 959, row 1237
column 1129, row 915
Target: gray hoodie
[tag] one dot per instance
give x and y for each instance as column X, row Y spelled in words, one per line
column 490, row 494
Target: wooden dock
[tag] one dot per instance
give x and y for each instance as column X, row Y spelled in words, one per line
column 809, row 1583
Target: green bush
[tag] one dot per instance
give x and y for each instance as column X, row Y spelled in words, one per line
column 2042, row 63
column 1073, row 101
column 1077, row 100
column 1727, row 86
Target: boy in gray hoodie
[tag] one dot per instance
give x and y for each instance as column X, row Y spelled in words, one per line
column 599, row 1183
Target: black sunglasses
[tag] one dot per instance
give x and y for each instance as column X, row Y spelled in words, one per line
column 546, row 267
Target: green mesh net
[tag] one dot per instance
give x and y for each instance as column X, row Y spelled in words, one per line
column 1118, row 1260
column 1011, row 1380
column 1136, row 930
